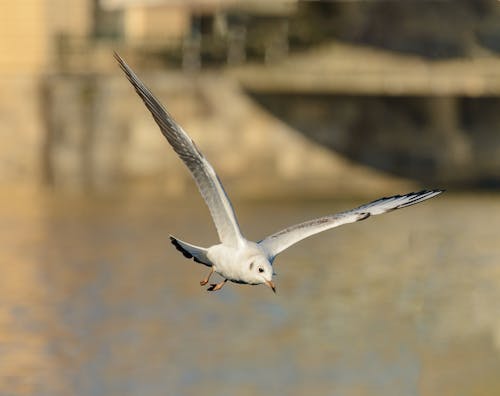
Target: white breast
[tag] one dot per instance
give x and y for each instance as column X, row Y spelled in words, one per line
column 231, row 262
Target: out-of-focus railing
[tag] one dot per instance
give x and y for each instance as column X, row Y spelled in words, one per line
column 192, row 52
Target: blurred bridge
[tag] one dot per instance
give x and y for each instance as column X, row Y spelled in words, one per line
column 434, row 121
column 356, row 70
column 358, row 110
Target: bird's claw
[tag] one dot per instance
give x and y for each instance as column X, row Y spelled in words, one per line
column 203, row 282
column 217, row 286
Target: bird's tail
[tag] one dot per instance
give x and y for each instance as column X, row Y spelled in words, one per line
column 189, row 251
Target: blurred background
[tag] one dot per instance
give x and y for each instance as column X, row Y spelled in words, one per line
column 304, row 109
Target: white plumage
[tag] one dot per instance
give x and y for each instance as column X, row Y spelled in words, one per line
column 235, row 258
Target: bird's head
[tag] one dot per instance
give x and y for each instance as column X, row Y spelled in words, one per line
column 259, row 270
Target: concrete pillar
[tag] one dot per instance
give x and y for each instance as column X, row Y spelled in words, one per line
column 453, row 151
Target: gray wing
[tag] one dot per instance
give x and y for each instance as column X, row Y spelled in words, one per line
column 276, row 243
column 206, row 179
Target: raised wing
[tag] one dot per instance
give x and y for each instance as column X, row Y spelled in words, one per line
column 206, row 179
column 276, row 243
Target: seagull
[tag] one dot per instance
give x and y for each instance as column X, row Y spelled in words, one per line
column 235, row 258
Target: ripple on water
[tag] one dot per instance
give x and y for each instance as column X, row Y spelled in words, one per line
column 94, row 300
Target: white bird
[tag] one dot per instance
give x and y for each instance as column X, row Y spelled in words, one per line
column 236, row 258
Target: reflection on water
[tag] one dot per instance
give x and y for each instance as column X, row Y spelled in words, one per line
column 95, row 301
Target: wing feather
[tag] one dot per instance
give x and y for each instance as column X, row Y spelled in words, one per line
column 204, row 175
column 276, row 243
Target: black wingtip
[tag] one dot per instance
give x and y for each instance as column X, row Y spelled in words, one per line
column 420, row 196
column 363, row 216
column 433, row 190
column 416, row 194
column 178, row 246
column 125, row 68
column 184, row 252
column 118, row 58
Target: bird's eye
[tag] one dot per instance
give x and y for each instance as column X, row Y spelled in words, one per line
column 261, row 269
column 251, row 266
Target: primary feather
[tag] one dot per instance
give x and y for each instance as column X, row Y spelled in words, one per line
column 206, row 179
column 276, row 243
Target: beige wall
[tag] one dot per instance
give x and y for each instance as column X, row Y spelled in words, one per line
column 28, row 27
column 27, row 52
column 23, row 45
column 106, row 140
column 155, row 22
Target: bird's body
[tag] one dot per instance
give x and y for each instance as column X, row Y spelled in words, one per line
column 237, row 259
column 229, row 261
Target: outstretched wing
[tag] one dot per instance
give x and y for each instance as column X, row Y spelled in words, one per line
column 276, row 243
column 206, row 179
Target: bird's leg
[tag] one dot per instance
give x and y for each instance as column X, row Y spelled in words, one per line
column 205, row 281
column 217, row 286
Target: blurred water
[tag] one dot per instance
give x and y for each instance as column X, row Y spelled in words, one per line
column 95, row 301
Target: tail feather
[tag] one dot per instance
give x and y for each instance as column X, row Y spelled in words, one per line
column 198, row 254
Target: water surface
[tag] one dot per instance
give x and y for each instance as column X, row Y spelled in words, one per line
column 95, row 301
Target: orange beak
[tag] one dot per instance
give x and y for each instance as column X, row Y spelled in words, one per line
column 271, row 285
